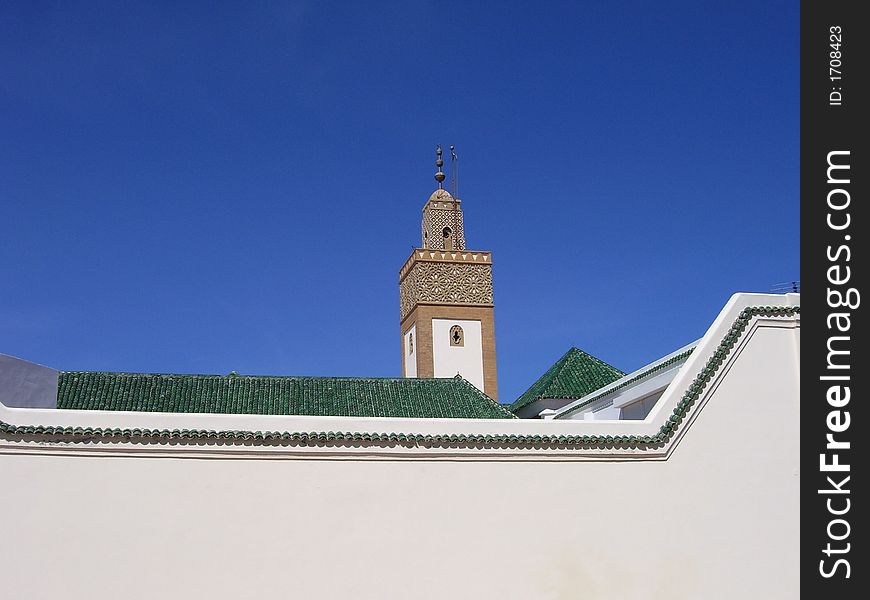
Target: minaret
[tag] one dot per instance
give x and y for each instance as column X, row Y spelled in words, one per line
column 445, row 294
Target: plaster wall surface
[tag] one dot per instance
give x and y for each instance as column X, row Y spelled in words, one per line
column 609, row 413
column 714, row 516
column 467, row 359
column 640, row 409
column 26, row 384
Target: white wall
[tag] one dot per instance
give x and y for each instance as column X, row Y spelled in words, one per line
column 640, row 408
column 410, row 357
column 27, row 384
column 602, row 414
column 712, row 514
column 450, row 360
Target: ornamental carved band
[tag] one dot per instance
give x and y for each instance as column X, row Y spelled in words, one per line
column 445, row 283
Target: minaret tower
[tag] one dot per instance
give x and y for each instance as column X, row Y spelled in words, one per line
column 445, row 294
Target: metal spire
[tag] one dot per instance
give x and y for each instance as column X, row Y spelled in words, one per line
column 439, row 176
column 454, row 167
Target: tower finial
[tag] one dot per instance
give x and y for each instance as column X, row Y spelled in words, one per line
column 439, row 176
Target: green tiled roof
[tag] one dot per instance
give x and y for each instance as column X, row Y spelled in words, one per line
column 320, row 396
column 573, row 376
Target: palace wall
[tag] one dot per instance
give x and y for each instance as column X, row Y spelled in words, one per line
column 709, row 511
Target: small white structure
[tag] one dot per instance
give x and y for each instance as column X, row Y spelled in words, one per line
column 25, row 384
column 630, row 397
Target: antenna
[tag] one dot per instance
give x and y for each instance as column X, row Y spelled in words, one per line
column 793, row 287
column 454, row 168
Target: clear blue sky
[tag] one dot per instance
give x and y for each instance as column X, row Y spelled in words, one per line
column 206, row 187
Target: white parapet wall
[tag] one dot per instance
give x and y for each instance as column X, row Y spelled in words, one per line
column 699, row 500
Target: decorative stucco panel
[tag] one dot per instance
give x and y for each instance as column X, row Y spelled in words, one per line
column 434, row 222
column 446, row 283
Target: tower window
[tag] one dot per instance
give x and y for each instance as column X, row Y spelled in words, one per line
column 448, row 238
column 411, row 343
column 457, row 336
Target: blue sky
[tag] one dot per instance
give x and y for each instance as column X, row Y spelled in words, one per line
column 206, row 187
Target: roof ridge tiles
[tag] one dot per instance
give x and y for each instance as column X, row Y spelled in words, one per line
column 576, row 373
column 240, row 376
column 484, row 396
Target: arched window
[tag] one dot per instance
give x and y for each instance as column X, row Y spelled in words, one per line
column 448, row 238
column 457, row 336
